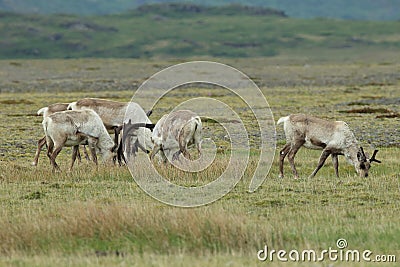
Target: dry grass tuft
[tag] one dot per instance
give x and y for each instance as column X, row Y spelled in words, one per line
column 142, row 227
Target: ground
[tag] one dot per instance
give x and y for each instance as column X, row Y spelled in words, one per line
column 99, row 216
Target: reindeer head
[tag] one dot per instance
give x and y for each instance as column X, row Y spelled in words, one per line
column 129, row 129
column 364, row 163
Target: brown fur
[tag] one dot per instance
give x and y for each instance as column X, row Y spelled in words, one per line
column 307, row 120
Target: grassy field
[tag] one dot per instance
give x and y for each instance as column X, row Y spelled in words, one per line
column 100, row 217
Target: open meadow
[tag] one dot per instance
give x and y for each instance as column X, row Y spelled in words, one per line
column 100, row 217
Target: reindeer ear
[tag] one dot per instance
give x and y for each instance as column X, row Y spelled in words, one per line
column 373, row 159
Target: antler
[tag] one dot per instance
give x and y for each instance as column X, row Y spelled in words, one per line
column 373, row 159
column 361, row 155
column 129, row 127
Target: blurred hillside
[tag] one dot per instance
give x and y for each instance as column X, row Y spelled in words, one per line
column 187, row 30
column 342, row 9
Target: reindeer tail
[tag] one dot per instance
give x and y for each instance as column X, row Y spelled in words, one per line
column 42, row 111
column 282, row 120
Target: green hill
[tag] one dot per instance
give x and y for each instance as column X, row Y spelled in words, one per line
column 187, row 30
column 343, row 9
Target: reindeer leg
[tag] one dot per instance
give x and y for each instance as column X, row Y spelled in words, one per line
column 198, row 146
column 292, row 154
column 120, row 154
column 78, row 155
column 282, row 155
column 142, row 147
column 85, row 153
column 155, row 150
column 75, row 151
column 335, row 162
column 325, row 154
column 186, row 154
column 41, row 142
column 183, row 147
column 94, row 156
column 197, row 141
column 116, row 134
column 54, row 156
column 117, row 157
column 163, row 156
column 128, row 147
column 117, row 146
column 92, row 147
column 176, row 155
column 50, row 148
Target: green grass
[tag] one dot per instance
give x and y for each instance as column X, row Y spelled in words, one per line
column 89, row 215
column 100, row 217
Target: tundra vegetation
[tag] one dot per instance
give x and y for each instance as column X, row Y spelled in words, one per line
column 99, row 217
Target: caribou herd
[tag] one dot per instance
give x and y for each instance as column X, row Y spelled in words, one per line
column 90, row 121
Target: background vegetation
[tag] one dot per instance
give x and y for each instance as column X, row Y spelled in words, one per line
column 343, row 9
column 171, row 31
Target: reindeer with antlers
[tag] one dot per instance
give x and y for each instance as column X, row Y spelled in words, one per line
column 333, row 137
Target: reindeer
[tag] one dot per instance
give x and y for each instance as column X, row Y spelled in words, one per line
column 129, row 130
column 333, row 137
column 177, row 131
column 47, row 111
column 72, row 128
column 112, row 113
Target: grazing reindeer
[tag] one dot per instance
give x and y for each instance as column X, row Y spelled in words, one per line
column 176, row 131
column 47, row 111
column 72, row 128
column 129, row 130
column 333, row 137
column 112, row 113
